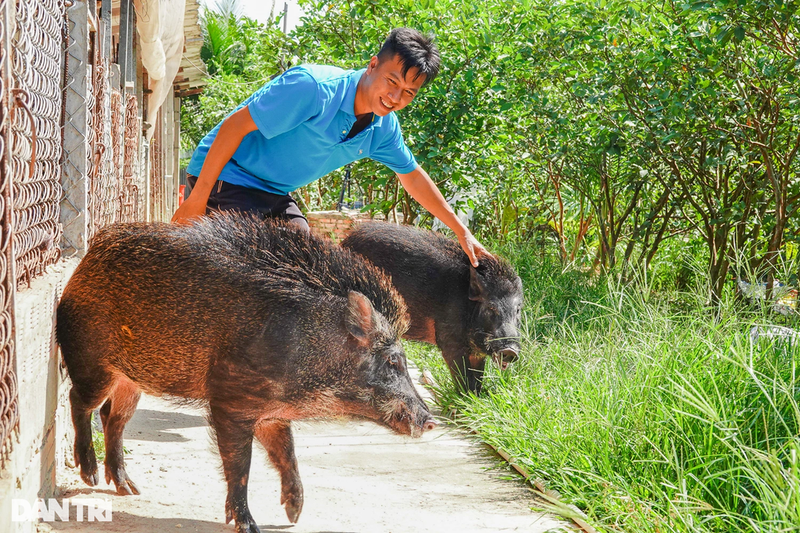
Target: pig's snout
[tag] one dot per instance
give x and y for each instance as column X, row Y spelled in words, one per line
column 410, row 417
column 505, row 348
column 507, row 356
column 421, row 421
column 429, row 424
column 424, row 422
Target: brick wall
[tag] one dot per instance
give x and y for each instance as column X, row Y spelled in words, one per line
column 334, row 224
column 337, row 224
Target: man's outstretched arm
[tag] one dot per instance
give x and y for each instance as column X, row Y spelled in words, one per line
column 420, row 186
column 228, row 139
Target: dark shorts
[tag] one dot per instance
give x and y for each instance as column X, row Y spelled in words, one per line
column 228, row 197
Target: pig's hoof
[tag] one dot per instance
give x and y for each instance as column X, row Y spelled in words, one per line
column 126, row 487
column 293, row 507
column 244, row 522
column 292, row 499
column 247, row 525
column 91, row 479
column 117, row 475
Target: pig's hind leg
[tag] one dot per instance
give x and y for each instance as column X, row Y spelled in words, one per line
column 84, row 397
column 115, row 413
column 276, row 437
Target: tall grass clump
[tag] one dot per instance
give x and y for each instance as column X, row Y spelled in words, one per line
column 646, row 419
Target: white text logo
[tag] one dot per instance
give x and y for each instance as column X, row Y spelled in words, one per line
column 89, row 509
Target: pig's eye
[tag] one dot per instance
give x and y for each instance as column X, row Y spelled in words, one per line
column 395, row 359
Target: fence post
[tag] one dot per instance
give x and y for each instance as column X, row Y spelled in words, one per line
column 125, row 55
column 176, row 152
column 167, row 143
column 75, row 179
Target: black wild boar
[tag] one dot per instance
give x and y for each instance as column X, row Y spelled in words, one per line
column 468, row 313
column 260, row 321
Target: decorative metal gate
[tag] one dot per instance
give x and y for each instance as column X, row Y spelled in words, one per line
column 85, row 100
column 9, row 411
column 35, row 134
column 30, row 165
column 116, row 130
column 103, row 187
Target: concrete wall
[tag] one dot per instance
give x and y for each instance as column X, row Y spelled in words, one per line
column 45, row 437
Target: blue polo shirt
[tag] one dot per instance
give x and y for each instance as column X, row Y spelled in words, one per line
column 303, row 117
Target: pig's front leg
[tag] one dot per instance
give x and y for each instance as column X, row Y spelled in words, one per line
column 475, row 369
column 466, row 369
column 276, row 437
column 235, row 441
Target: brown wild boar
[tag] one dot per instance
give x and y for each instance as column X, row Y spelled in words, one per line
column 259, row 321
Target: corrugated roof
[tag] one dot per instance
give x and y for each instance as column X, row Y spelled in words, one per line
column 192, row 76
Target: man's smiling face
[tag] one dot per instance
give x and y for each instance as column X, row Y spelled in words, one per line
column 384, row 89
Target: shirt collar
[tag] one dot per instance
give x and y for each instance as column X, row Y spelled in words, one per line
column 349, row 101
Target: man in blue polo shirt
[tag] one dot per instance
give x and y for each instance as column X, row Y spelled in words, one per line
column 312, row 120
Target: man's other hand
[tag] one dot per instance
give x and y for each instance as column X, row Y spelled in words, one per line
column 474, row 249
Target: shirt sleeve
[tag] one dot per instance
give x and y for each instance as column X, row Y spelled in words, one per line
column 393, row 152
column 285, row 103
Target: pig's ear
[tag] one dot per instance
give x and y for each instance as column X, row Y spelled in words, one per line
column 360, row 316
column 477, row 289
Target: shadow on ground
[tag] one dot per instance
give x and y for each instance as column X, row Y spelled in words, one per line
column 133, row 523
column 160, row 426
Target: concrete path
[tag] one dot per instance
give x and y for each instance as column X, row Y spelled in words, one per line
column 357, row 477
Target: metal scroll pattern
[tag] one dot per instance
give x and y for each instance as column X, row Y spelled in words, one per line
column 110, row 141
column 35, row 135
column 115, row 144
column 105, row 182
column 9, row 411
column 158, row 196
column 129, row 196
column 117, row 152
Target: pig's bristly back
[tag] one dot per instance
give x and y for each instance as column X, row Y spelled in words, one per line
column 443, row 253
column 268, row 252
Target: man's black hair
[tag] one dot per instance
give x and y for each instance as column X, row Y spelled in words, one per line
column 413, row 50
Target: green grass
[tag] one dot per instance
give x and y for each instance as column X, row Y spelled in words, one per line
column 98, row 439
column 646, row 419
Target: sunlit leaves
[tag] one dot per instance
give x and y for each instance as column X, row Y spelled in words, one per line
column 621, row 123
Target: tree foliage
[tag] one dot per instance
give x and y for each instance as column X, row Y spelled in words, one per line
column 607, row 130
